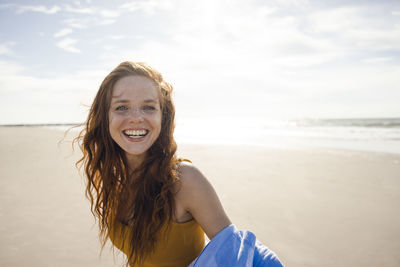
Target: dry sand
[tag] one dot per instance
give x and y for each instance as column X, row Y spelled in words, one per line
column 312, row 207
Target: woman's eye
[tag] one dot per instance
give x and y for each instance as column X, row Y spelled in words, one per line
column 121, row 108
column 149, row 108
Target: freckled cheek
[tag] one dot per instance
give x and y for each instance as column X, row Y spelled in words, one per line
column 116, row 118
column 114, row 122
column 159, row 121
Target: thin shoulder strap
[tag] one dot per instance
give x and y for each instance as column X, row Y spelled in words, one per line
column 183, row 159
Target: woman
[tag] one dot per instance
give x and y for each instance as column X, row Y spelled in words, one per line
column 152, row 205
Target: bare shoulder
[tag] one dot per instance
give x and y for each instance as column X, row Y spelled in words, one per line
column 200, row 199
column 191, row 177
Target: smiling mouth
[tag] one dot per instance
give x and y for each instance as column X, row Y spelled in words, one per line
column 135, row 133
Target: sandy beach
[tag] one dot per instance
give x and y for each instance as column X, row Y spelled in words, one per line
column 313, row 207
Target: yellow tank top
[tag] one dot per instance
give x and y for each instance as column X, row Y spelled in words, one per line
column 184, row 243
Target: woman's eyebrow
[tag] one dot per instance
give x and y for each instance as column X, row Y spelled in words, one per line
column 123, row 101
column 155, row 100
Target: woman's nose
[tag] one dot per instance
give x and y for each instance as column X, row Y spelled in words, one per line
column 136, row 115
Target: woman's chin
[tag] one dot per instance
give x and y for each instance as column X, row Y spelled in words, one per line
column 135, row 153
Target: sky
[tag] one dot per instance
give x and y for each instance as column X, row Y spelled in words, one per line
column 242, row 60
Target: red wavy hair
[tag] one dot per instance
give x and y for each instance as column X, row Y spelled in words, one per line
column 146, row 202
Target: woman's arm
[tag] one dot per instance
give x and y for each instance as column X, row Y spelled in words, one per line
column 199, row 198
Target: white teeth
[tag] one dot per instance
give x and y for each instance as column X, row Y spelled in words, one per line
column 135, row 133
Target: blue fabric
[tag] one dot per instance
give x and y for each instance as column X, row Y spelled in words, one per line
column 233, row 248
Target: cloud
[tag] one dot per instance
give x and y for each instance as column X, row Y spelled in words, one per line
column 59, row 99
column 83, row 17
column 5, row 48
column 68, row 44
column 293, row 63
column 109, row 13
column 93, row 10
column 63, row 32
column 76, row 23
column 40, row 9
column 357, row 27
column 225, row 35
column 19, row 9
column 79, row 10
column 147, row 6
column 375, row 60
column 87, row 22
column 248, row 33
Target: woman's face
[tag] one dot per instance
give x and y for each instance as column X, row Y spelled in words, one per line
column 135, row 115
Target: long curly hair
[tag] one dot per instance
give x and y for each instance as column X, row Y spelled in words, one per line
column 146, row 202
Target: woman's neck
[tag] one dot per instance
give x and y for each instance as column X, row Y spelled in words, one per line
column 134, row 161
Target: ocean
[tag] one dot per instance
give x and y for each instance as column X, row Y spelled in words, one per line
column 366, row 134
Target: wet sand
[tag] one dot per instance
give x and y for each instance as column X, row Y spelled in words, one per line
column 312, row 207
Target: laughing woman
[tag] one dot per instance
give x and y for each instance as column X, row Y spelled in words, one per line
column 152, row 205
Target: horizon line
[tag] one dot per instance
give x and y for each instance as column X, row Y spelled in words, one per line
column 82, row 123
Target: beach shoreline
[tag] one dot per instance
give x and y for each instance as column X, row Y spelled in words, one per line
column 313, row 207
